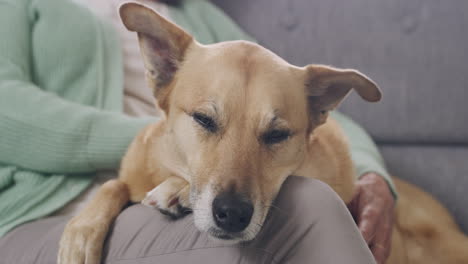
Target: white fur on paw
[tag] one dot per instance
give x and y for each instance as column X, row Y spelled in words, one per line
column 165, row 198
column 157, row 198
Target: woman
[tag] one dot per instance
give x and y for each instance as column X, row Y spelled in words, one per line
column 62, row 84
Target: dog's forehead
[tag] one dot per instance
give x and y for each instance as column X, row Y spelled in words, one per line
column 245, row 58
column 241, row 76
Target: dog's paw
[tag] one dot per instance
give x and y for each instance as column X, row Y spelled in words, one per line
column 81, row 242
column 171, row 198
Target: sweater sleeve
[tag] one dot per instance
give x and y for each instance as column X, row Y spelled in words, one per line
column 41, row 131
column 364, row 152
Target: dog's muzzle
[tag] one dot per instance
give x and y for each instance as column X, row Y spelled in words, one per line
column 231, row 213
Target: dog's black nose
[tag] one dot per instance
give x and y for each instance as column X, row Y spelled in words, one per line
column 231, row 213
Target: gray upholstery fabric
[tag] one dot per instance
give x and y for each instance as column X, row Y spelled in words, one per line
column 414, row 49
column 440, row 170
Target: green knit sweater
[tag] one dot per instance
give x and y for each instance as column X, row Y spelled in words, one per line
column 61, row 101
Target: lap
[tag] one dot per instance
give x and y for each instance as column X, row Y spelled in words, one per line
column 307, row 222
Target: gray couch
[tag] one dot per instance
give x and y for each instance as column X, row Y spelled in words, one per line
column 416, row 50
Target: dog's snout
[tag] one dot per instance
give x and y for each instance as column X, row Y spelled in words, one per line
column 231, row 213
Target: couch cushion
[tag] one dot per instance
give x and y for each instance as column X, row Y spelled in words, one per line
column 440, row 170
column 415, row 50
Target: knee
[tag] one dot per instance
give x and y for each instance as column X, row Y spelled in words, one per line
column 301, row 205
column 305, row 197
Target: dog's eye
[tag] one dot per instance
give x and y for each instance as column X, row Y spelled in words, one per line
column 275, row 136
column 205, row 121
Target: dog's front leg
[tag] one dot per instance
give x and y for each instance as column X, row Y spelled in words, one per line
column 171, row 197
column 83, row 238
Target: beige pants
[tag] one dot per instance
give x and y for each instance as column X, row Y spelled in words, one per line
column 307, row 224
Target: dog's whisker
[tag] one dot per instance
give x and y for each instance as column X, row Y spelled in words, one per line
column 272, row 206
column 199, row 209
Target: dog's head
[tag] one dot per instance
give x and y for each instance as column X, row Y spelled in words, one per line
column 238, row 118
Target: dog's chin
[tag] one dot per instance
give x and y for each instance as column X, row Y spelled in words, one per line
column 226, row 237
column 217, row 233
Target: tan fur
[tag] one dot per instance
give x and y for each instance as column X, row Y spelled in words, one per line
column 248, row 91
column 329, row 160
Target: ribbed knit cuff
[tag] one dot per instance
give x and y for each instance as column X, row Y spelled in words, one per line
column 110, row 137
column 371, row 165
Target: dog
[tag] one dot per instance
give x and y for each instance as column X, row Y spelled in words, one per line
column 238, row 121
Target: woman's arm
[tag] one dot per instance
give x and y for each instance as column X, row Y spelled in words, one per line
column 41, row 131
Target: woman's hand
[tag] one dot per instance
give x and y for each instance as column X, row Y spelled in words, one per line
column 372, row 208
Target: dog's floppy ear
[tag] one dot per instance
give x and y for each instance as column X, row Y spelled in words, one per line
column 326, row 87
column 162, row 44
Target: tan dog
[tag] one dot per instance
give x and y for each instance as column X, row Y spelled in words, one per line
column 239, row 120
